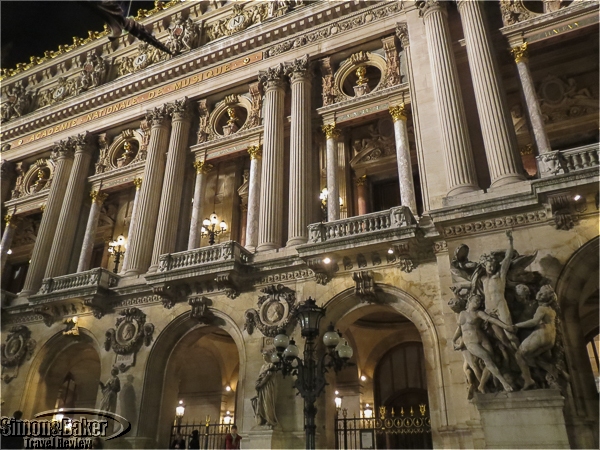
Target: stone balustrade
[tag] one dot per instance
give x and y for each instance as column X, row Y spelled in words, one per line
column 360, row 225
column 97, row 277
column 226, row 251
column 581, row 157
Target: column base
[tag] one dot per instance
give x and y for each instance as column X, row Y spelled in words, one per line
column 507, row 179
column 152, row 269
column 267, row 246
column 524, row 419
column 463, row 189
column 132, row 273
column 296, row 241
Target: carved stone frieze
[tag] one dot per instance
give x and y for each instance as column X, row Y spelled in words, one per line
column 130, row 332
column 183, row 36
column 15, row 351
column 392, row 76
column 64, row 89
column 275, row 310
column 561, row 99
column 146, row 56
column 18, row 101
column 497, row 223
column 94, row 70
column 240, row 19
column 514, row 11
column 327, row 81
column 373, row 148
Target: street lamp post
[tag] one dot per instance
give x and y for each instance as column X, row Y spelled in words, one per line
column 209, row 228
column 179, row 412
column 310, row 371
column 117, row 248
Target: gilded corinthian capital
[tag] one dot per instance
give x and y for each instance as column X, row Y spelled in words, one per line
column 331, row 132
column 398, row 112
column 520, row 52
column 202, row 167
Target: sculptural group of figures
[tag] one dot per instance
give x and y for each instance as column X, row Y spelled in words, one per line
column 508, row 324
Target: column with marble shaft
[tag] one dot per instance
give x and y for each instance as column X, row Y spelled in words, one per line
column 202, row 168
column 361, row 195
column 333, row 203
column 405, row 177
column 137, row 182
column 272, row 176
column 300, row 151
column 63, row 156
column 499, row 138
column 144, row 227
column 254, row 184
column 66, row 229
column 85, row 257
column 520, row 53
column 12, row 223
column 458, row 155
column 172, row 187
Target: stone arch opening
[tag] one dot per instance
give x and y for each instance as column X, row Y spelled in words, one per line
column 578, row 292
column 65, row 374
column 375, row 329
column 198, row 364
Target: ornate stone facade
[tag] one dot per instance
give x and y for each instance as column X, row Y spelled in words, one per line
column 167, row 217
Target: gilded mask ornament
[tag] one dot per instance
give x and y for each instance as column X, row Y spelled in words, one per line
column 275, row 310
column 127, row 338
column 15, row 351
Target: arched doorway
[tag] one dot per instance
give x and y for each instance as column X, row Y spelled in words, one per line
column 197, row 364
column 384, row 396
column 578, row 293
column 65, row 375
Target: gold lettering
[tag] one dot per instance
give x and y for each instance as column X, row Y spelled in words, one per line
column 195, row 79
column 133, row 101
column 151, row 95
column 207, row 74
column 226, row 68
column 43, row 134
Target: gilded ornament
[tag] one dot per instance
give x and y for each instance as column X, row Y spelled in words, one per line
column 331, row 132
column 98, row 196
column 398, row 112
column 137, row 182
column 520, row 52
column 255, row 152
column 360, row 73
column 202, row 167
column 361, row 181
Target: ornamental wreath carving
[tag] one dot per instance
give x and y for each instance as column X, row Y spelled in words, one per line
column 18, row 347
column 127, row 338
column 275, row 310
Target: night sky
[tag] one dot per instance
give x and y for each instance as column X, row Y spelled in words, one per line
column 31, row 27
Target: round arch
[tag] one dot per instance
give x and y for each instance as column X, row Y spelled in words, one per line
column 156, row 366
column 345, row 307
column 52, row 349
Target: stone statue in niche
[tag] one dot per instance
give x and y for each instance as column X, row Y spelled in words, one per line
column 266, row 393
column 508, row 340
column 110, row 391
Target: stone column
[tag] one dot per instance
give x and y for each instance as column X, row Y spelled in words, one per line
column 137, row 182
column 144, row 227
column 498, row 132
column 253, row 197
column 271, row 205
column 405, row 177
column 460, row 169
column 300, row 151
column 202, row 168
column 12, row 222
column 533, row 105
column 362, row 195
column 333, row 196
column 85, row 258
column 64, row 236
column 170, row 202
column 7, row 177
column 63, row 155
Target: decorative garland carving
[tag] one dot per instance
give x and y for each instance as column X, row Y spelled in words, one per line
column 276, row 310
column 131, row 332
column 18, row 347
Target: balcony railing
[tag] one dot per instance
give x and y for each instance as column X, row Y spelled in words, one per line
column 360, row 225
column 92, row 278
column 215, row 253
column 581, row 157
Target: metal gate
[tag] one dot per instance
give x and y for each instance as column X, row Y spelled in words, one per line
column 408, row 429
column 211, row 435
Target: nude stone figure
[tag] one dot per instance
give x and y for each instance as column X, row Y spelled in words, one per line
column 541, row 340
column 470, row 323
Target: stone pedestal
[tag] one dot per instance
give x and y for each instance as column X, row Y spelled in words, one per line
column 525, row 419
